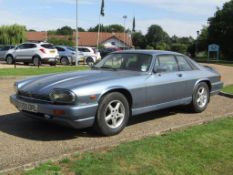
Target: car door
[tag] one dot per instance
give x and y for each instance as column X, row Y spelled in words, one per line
column 166, row 85
column 20, row 52
column 188, row 73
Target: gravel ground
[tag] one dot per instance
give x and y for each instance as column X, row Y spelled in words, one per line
column 23, row 140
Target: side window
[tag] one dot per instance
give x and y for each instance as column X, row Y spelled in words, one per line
column 23, row 46
column 183, row 64
column 60, row 49
column 167, row 63
column 31, row 46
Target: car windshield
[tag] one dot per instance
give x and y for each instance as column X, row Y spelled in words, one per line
column 71, row 49
column 126, row 61
column 48, row 46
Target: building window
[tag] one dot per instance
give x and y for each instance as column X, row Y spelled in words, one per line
column 113, row 43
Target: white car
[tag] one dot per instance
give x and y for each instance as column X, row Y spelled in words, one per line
column 91, row 55
column 36, row 53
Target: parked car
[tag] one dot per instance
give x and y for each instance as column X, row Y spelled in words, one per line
column 35, row 53
column 91, row 55
column 3, row 51
column 123, row 84
column 67, row 55
column 105, row 51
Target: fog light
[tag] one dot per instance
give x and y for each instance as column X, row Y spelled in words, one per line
column 58, row 112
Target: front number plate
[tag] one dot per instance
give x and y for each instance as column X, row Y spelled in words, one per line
column 22, row 106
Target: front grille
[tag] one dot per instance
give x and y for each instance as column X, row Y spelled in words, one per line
column 27, row 95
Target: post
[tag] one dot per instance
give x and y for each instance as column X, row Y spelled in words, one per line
column 198, row 32
column 76, row 35
column 124, row 17
column 98, row 37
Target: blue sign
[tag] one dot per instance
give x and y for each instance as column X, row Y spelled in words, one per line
column 213, row 48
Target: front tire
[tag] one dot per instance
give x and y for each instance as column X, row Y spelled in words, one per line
column 90, row 61
column 201, row 98
column 9, row 59
column 112, row 115
column 65, row 61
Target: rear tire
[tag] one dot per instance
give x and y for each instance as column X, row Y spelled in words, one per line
column 201, row 97
column 36, row 61
column 112, row 115
column 64, row 61
column 90, row 61
column 9, row 59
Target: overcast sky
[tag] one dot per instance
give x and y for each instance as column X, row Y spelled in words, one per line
column 177, row 17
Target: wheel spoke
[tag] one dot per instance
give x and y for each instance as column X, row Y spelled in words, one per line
column 118, row 105
column 120, row 116
column 108, row 118
column 114, row 121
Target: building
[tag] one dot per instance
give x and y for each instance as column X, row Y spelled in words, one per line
column 108, row 40
column 36, row 36
column 119, row 40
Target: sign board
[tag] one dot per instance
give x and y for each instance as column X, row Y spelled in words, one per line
column 213, row 48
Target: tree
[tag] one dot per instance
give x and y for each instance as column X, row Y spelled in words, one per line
column 109, row 28
column 66, row 30
column 156, row 36
column 220, row 29
column 57, row 41
column 13, row 34
column 139, row 40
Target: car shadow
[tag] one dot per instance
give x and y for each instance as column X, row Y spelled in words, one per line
column 20, row 126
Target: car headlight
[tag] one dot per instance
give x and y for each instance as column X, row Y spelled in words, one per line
column 62, row 96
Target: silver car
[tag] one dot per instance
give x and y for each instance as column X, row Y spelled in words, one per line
column 67, row 55
column 35, row 53
column 3, row 51
column 123, row 84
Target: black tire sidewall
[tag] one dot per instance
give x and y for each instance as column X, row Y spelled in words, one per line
column 12, row 60
column 100, row 122
column 195, row 106
column 66, row 60
column 89, row 60
column 36, row 58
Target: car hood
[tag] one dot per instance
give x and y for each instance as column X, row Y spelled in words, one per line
column 71, row 80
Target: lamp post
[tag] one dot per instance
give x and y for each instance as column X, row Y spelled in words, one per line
column 198, row 33
column 124, row 17
column 76, row 35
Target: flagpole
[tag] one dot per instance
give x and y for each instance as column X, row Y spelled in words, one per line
column 76, row 35
column 98, row 38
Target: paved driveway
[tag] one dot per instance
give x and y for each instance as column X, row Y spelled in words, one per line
column 23, row 140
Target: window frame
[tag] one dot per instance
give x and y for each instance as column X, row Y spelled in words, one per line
column 185, row 59
column 158, row 60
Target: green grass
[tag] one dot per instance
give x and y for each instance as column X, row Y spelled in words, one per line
column 38, row 71
column 223, row 63
column 228, row 89
column 206, row 149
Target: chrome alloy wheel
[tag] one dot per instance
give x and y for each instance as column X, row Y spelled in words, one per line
column 114, row 114
column 202, row 97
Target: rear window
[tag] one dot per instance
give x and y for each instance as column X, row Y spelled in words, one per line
column 48, row 46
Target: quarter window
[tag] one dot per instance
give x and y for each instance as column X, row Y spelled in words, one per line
column 167, row 63
column 183, row 64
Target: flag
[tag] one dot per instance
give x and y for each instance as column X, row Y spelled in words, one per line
column 134, row 25
column 102, row 8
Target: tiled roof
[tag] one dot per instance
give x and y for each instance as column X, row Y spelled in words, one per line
column 36, row 36
column 90, row 38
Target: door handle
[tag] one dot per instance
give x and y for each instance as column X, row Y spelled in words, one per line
column 180, row 75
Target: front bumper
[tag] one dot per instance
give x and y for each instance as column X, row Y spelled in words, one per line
column 216, row 87
column 74, row 116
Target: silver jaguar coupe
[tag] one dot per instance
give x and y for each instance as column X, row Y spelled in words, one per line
column 122, row 85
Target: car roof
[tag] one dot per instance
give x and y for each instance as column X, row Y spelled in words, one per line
column 150, row 52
